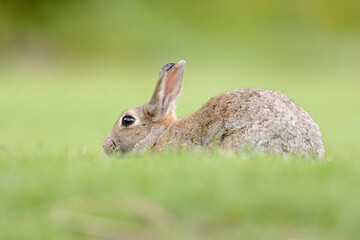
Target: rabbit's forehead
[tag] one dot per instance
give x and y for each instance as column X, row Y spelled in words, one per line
column 135, row 112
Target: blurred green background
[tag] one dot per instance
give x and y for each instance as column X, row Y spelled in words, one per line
column 69, row 68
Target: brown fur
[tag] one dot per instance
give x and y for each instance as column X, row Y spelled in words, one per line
column 244, row 118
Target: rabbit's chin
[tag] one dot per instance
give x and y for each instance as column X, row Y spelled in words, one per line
column 117, row 153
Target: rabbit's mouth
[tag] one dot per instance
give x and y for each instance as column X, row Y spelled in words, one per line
column 114, row 147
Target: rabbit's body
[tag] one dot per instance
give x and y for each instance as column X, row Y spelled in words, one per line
column 245, row 118
column 251, row 118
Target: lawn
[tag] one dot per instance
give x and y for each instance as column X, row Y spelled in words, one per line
column 69, row 68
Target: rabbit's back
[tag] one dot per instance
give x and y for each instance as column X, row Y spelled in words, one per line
column 248, row 117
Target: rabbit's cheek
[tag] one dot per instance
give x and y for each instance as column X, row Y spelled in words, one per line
column 127, row 139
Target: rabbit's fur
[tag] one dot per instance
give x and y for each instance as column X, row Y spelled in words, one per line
column 245, row 118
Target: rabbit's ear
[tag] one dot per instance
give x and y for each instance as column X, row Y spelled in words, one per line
column 167, row 90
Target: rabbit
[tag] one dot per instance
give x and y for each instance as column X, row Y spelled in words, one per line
column 247, row 118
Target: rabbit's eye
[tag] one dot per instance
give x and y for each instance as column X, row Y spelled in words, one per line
column 127, row 120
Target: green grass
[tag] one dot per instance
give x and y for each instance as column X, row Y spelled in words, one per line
column 206, row 195
column 69, row 68
column 56, row 183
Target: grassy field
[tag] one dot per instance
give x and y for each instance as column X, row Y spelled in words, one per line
column 69, row 68
column 56, row 183
column 177, row 196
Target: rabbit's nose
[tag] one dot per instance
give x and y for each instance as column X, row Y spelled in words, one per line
column 113, row 143
column 109, row 146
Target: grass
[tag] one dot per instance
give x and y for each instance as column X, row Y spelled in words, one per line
column 69, row 68
column 206, row 195
column 56, row 183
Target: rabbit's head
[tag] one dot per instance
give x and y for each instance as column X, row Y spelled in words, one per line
column 138, row 128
